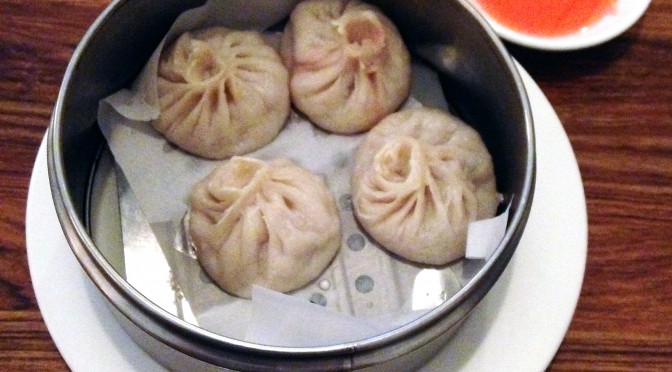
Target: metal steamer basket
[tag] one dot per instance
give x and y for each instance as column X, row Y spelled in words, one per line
column 481, row 84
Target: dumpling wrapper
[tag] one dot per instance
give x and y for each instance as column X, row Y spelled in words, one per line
column 349, row 66
column 222, row 92
column 421, row 176
column 272, row 224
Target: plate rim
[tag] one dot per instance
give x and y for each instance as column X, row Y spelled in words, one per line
column 104, row 332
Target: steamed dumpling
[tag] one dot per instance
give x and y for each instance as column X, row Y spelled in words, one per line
column 273, row 224
column 221, row 92
column 421, row 176
column 348, row 64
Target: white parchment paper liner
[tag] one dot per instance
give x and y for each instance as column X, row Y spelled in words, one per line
column 365, row 291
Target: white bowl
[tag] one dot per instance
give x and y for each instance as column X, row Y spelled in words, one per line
column 626, row 14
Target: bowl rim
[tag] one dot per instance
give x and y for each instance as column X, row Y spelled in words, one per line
column 610, row 27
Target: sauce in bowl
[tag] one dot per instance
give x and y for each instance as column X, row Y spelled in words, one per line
column 547, row 18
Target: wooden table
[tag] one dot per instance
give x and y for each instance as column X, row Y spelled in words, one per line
column 615, row 102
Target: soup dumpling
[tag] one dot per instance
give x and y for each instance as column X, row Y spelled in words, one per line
column 349, row 66
column 272, row 224
column 421, row 176
column 222, row 92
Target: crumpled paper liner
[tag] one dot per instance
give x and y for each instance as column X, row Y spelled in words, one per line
column 364, row 292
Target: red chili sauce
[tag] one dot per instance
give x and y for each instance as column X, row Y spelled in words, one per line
column 547, row 17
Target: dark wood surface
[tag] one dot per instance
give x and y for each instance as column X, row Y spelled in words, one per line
column 615, row 102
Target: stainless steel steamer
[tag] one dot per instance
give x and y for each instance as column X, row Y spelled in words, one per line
column 480, row 81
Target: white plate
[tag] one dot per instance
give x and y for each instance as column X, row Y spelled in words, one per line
column 517, row 327
column 626, row 14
